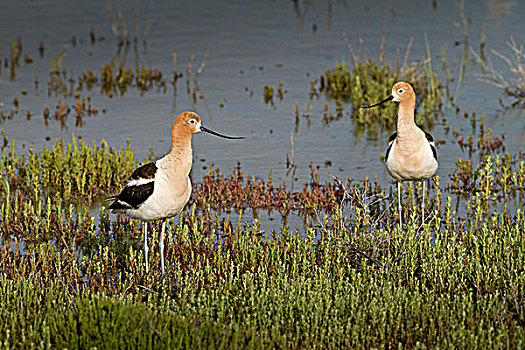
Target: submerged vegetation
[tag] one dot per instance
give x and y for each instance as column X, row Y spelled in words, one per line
column 115, row 78
column 366, row 80
column 350, row 278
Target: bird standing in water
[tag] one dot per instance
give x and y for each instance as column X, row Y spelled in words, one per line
column 411, row 153
column 160, row 190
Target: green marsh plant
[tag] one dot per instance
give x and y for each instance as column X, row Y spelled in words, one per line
column 72, row 275
column 362, row 80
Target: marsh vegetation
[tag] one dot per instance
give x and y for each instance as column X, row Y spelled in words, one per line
column 333, row 270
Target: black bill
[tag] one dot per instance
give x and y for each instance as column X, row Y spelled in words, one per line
column 220, row 135
column 389, row 98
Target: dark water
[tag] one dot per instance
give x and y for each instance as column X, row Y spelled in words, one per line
column 253, row 43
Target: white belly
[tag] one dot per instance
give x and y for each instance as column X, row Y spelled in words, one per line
column 166, row 201
column 417, row 163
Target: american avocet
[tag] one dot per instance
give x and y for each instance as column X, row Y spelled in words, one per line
column 411, row 154
column 159, row 190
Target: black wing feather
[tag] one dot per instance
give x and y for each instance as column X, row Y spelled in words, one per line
column 132, row 196
column 147, row 171
column 428, row 136
column 434, row 152
column 430, row 140
column 392, row 137
column 119, row 205
column 390, row 142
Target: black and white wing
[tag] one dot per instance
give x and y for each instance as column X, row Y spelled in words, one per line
column 138, row 189
column 391, row 140
column 430, row 140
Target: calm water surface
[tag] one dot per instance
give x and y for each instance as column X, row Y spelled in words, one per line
column 253, row 43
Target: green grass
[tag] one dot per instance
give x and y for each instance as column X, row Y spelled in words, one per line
column 288, row 292
column 350, row 279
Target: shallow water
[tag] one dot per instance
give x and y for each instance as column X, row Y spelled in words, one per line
column 253, row 43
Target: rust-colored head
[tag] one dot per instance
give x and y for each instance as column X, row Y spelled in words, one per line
column 402, row 92
column 186, row 124
column 189, row 123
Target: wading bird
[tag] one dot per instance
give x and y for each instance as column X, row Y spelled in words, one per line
column 160, row 190
column 411, row 154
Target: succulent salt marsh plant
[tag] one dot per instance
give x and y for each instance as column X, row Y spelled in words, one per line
column 479, row 140
column 240, row 192
column 81, row 172
column 76, row 170
column 14, row 59
column 497, row 179
column 497, row 176
column 65, row 276
column 270, row 91
column 58, row 79
column 116, row 79
column 293, row 288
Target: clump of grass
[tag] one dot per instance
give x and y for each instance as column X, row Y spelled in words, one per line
column 71, row 171
column 58, row 75
column 6, row 115
column 269, row 91
column 305, row 115
column 364, row 81
column 15, row 53
column 116, row 79
column 280, row 91
column 480, row 139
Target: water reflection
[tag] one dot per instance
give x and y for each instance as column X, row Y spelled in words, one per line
column 242, row 41
column 302, row 8
column 513, row 113
column 500, row 9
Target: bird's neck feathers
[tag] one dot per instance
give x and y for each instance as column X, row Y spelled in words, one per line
column 405, row 119
column 181, row 152
column 180, row 138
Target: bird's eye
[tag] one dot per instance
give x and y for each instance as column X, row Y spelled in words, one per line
column 400, row 91
column 192, row 121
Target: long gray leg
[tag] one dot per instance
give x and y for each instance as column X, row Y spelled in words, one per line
column 399, row 203
column 423, row 205
column 161, row 246
column 146, row 249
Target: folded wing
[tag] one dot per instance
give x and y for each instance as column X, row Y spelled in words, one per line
column 138, row 189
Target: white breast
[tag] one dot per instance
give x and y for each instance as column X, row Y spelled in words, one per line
column 167, row 200
column 415, row 162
